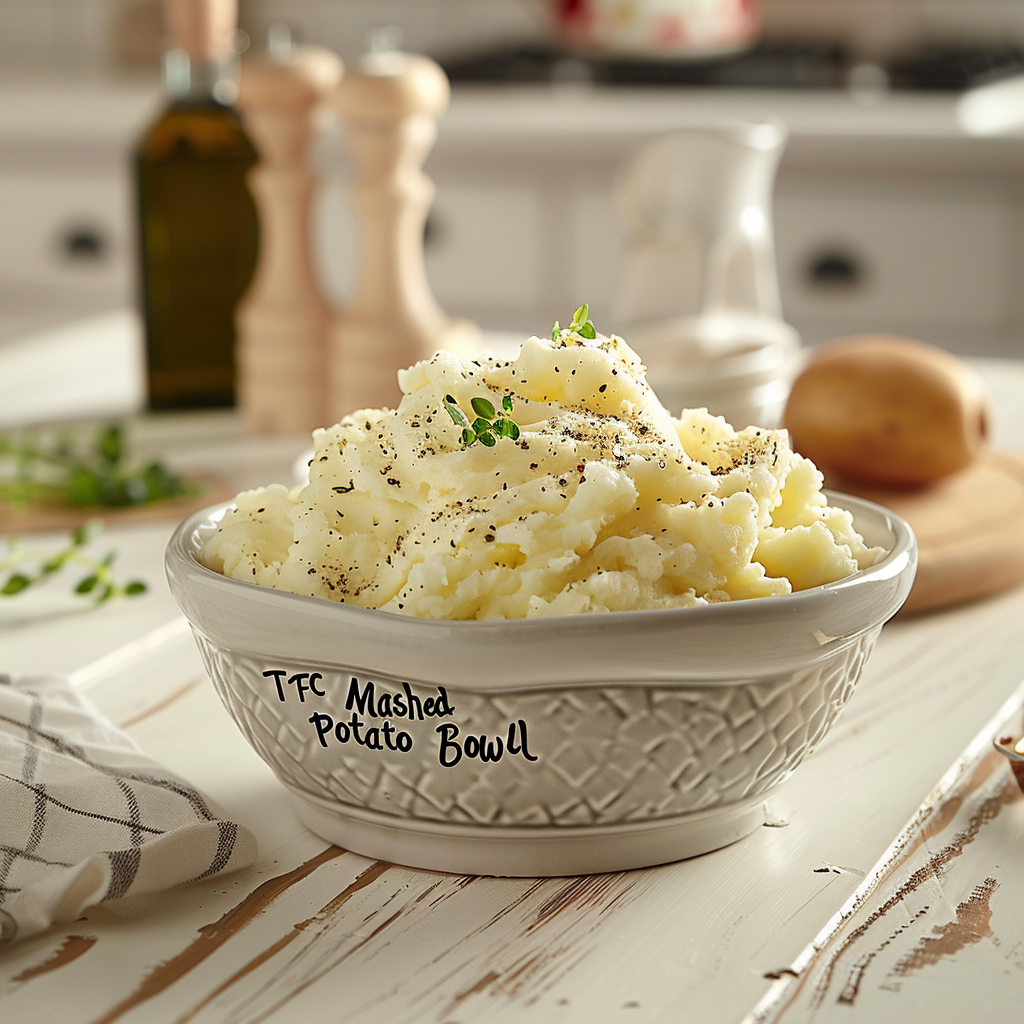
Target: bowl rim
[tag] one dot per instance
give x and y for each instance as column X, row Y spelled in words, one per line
column 828, row 616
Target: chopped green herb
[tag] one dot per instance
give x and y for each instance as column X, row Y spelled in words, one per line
column 15, row 584
column 57, row 472
column 506, row 428
column 457, row 415
column 98, row 583
column 87, row 584
column 485, row 428
column 483, row 408
column 581, row 325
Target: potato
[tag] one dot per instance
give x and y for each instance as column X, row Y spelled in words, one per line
column 887, row 410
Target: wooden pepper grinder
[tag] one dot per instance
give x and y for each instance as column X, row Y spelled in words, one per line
column 390, row 105
column 284, row 320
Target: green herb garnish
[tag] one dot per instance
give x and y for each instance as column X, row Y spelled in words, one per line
column 581, row 325
column 483, row 408
column 32, row 471
column 485, row 428
column 19, row 571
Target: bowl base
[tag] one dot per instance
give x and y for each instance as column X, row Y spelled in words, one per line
column 528, row 852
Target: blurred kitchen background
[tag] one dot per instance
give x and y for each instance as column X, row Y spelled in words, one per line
column 888, row 215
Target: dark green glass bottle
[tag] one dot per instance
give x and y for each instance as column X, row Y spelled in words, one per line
column 198, row 236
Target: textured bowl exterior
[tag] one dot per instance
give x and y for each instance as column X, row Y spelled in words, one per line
column 602, row 722
column 604, row 754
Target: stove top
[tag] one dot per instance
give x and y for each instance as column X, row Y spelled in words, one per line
column 770, row 65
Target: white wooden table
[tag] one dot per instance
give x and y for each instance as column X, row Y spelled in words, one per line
column 315, row 933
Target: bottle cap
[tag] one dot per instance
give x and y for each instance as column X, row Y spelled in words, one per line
column 204, row 29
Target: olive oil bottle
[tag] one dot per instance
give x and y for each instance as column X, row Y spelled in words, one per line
column 198, row 225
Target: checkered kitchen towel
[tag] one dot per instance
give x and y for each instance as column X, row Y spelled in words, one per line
column 86, row 817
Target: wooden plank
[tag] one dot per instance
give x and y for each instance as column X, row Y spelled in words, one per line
column 935, row 929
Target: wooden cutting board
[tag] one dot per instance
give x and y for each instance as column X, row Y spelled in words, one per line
column 969, row 526
column 45, row 518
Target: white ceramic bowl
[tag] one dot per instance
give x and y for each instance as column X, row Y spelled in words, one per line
column 637, row 738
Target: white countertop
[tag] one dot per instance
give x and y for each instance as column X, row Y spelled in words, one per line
column 903, row 130
column 554, row 110
column 98, row 113
column 90, row 112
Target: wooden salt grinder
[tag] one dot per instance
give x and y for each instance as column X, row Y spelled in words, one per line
column 283, row 321
column 390, row 105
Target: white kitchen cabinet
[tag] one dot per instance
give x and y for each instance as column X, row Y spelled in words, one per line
column 70, row 232
column 887, row 218
column 876, row 256
column 66, row 248
column 67, row 225
column 937, row 264
column 485, row 247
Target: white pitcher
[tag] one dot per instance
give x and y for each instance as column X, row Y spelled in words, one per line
column 698, row 295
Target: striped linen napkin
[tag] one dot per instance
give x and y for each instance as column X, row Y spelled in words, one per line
column 86, row 817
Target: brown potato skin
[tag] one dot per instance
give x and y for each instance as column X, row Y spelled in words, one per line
column 887, row 410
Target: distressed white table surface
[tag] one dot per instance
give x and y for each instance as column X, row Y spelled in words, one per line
column 313, row 932
column 925, row 931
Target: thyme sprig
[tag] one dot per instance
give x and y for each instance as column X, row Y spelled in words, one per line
column 19, row 571
column 487, row 427
column 33, row 471
column 581, row 325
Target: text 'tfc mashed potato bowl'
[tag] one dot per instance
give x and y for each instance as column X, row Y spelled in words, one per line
column 548, row 746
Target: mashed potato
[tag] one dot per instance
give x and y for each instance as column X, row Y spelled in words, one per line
column 604, row 502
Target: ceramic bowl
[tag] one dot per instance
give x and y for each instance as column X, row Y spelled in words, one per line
column 534, row 747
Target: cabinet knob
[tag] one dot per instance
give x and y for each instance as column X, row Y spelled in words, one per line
column 83, row 244
column 835, row 269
